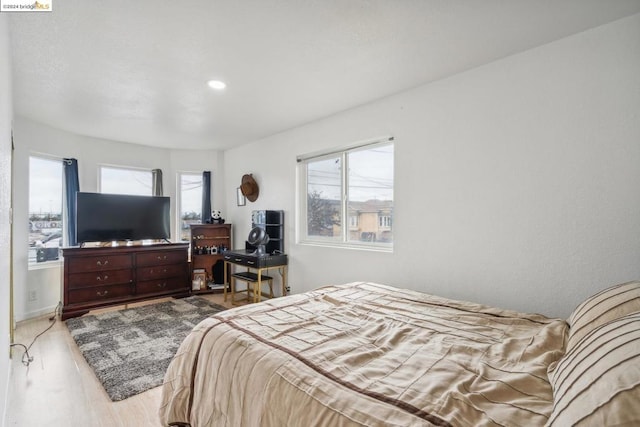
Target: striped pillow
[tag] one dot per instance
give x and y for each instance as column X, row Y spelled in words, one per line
column 597, row 382
column 609, row 304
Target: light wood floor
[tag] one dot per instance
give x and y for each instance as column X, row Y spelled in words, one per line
column 60, row 389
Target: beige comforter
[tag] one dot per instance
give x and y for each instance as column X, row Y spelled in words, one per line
column 364, row 354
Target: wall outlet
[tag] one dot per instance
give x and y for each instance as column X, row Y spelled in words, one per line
column 33, row 295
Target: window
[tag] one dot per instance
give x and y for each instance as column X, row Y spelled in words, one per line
column 116, row 180
column 190, row 202
column 385, row 221
column 355, row 183
column 45, row 209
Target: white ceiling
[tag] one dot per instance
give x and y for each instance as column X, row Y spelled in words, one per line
column 136, row 71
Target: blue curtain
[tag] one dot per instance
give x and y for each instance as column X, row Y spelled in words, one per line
column 156, row 183
column 71, row 187
column 206, row 196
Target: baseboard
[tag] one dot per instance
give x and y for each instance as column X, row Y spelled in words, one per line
column 36, row 313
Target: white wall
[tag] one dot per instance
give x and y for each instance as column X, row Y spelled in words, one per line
column 516, row 182
column 34, row 138
column 6, row 113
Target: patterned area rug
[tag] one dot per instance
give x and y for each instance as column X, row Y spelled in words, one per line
column 130, row 350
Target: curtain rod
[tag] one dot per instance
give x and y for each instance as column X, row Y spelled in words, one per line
column 353, row 146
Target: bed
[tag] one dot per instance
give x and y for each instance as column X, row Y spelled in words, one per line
column 366, row 354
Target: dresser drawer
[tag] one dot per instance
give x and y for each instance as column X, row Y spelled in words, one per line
column 249, row 259
column 100, row 278
column 161, row 257
column 100, row 263
column 99, row 293
column 161, row 271
column 161, row 285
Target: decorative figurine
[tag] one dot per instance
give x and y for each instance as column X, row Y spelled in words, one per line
column 216, row 217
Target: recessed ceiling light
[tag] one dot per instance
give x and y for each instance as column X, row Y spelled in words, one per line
column 216, row 84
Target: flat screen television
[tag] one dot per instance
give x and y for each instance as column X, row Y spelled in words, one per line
column 109, row 217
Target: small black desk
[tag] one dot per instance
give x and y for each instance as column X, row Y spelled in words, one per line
column 256, row 265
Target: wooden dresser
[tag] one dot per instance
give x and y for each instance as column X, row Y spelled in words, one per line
column 99, row 277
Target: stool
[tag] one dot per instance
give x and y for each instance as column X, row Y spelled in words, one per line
column 251, row 279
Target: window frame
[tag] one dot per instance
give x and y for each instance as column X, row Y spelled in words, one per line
column 302, row 236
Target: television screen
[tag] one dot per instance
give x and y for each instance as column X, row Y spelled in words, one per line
column 108, row 217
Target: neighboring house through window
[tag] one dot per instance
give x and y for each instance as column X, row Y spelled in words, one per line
column 354, row 183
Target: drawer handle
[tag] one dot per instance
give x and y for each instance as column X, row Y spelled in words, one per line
column 162, row 257
column 98, row 278
column 102, row 294
column 100, row 263
column 250, row 262
column 162, row 285
column 238, row 259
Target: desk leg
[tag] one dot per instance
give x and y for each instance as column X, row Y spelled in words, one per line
column 257, row 293
column 226, row 265
column 232, row 285
column 270, row 288
column 283, row 273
